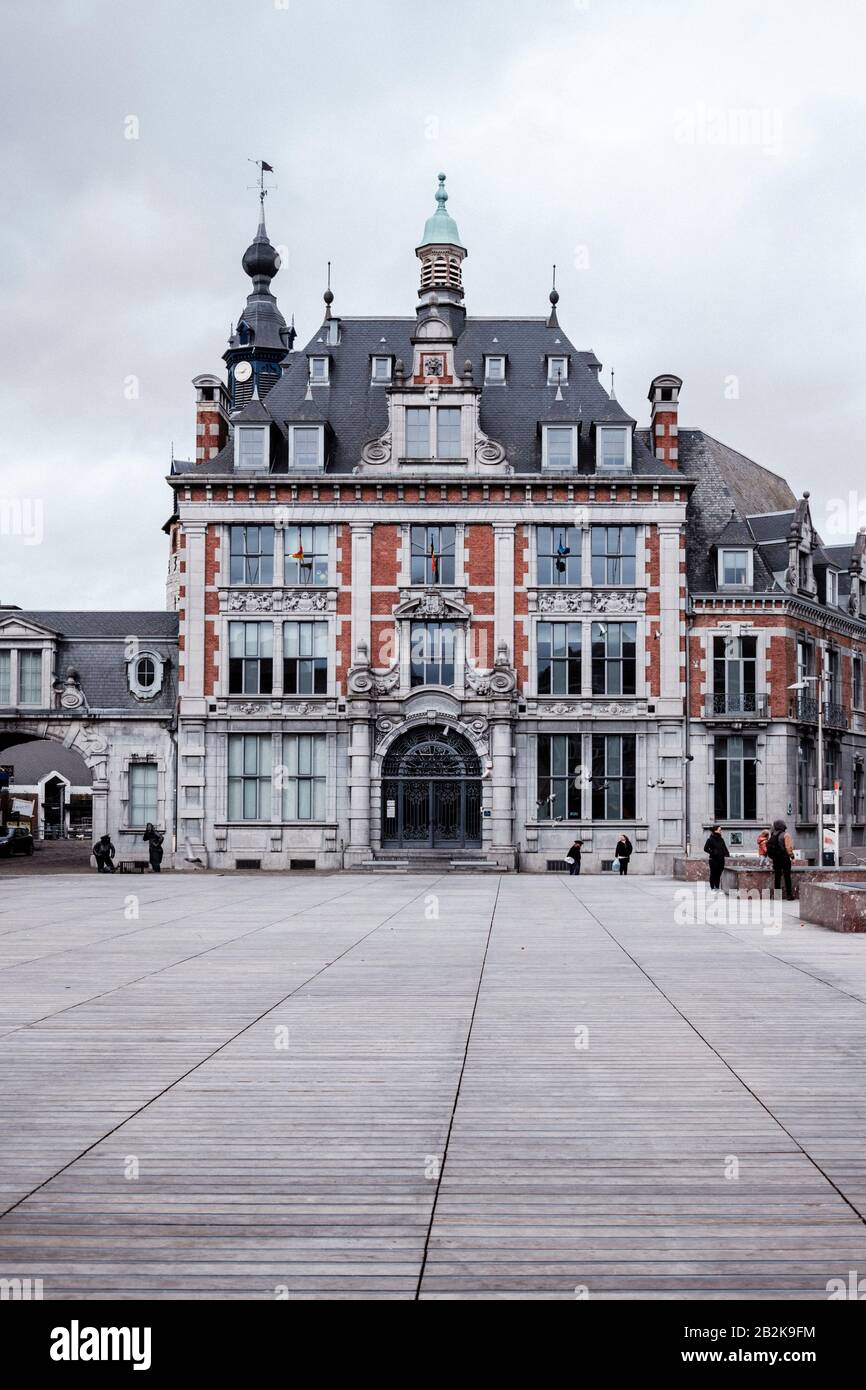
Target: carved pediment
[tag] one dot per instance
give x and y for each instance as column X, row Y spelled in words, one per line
column 431, row 603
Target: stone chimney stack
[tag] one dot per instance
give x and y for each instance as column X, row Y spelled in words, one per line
column 664, row 397
column 211, row 417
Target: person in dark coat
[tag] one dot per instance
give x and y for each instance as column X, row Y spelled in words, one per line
column 154, row 839
column 623, row 852
column 103, row 853
column 718, row 852
column 573, row 857
column 780, row 852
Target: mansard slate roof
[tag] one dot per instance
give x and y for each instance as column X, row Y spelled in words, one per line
column 512, row 412
column 94, row 644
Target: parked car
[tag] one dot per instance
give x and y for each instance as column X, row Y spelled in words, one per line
column 15, row 839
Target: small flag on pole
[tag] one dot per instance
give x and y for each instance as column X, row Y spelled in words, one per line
column 434, row 562
column 267, row 168
column 561, row 551
column 300, row 556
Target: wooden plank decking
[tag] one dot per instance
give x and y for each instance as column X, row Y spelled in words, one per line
column 452, row 1087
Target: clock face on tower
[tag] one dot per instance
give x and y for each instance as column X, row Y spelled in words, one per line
column 243, row 371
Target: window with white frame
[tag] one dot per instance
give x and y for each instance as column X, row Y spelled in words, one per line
column 735, row 567
column 558, row 786
column 306, row 447
column 251, row 555
column 143, row 794
column 305, row 658
column 5, row 678
column 735, row 778
column 558, row 653
column 614, row 777
column 29, row 678
column 304, row 776
column 250, row 448
column 432, row 648
column 613, row 452
column 559, row 447
column 432, row 554
column 319, row 370
column 832, row 598
column 614, row 658
column 249, row 777
column 433, row 432
column 145, row 672
column 558, row 554
column 614, row 554
column 381, row 369
column 557, row 371
column 494, row 368
column 306, row 555
column 251, row 658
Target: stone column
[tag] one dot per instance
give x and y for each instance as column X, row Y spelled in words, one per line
column 360, row 751
column 503, row 569
column 501, row 738
column 362, row 580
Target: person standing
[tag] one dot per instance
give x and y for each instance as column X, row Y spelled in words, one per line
column 573, row 858
column 154, row 848
column 780, row 851
column 717, row 852
column 623, row 852
column 103, row 853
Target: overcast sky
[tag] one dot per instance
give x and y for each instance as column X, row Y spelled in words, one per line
column 695, row 170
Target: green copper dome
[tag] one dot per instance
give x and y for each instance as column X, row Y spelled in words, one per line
column 441, row 229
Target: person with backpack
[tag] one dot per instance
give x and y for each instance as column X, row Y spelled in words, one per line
column 623, row 852
column 763, row 841
column 103, row 853
column 718, row 852
column 780, row 851
column 154, row 847
column 573, row 858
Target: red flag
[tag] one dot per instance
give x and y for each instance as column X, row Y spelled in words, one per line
column 434, row 562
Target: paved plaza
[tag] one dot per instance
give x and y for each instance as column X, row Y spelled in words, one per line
column 444, row 1087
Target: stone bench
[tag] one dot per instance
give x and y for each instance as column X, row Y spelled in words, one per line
column 838, row 906
column 750, row 878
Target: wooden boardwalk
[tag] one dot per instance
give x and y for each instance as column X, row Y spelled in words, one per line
column 449, row 1088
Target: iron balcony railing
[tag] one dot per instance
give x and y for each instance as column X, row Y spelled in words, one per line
column 737, row 705
column 835, row 716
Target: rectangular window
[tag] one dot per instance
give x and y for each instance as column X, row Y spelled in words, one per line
column 251, row 658
column 557, row 371
column 306, row 554
column 30, row 678
column 614, row 658
column 558, row 554
column 418, row 432
column 318, row 369
column 832, row 588
column 857, row 681
column 559, row 777
column 250, row 449
column 494, row 368
column 306, row 441
column 832, row 676
column 432, row 558
column 251, row 555
column 735, row 778
column 558, row 658
column 143, row 783
column 305, row 758
column 381, row 369
column 448, row 432
column 734, row 675
column 613, row 554
column 858, row 794
column 560, row 447
column 305, row 658
column 5, row 678
column 249, row 777
column 432, row 653
column 806, row 780
column 613, row 451
column 614, row 758
column 734, row 567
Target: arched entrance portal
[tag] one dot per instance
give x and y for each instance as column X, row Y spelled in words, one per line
column 431, row 792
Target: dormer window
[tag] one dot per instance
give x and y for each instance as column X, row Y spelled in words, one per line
column 557, row 371
column 559, row 447
column 735, row 568
column 494, row 369
column 613, row 446
column 381, row 369
column 145, row 673
column 832, row 597
column 433, row 433
column 251, row 448
column 306, row 448
column 319, row 371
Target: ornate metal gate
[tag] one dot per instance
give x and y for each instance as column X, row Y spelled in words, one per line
column 431, row 792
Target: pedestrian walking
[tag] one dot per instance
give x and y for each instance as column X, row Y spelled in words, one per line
column 154, row 847
column 717, row 852
column 623, row 852
column 573, row 858
column 780, row 851
column 103, row 853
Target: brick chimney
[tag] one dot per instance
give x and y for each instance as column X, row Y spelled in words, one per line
column 211, row 417
column 664, row 397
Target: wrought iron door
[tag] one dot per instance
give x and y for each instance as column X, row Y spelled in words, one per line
column 431, row 792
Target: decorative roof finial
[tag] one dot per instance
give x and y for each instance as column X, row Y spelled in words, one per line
column 612, row 387
column 328, row 296
column 441, row 229
column 553, row 321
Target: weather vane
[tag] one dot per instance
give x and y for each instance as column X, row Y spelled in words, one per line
column 263, row 168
